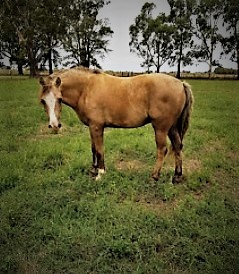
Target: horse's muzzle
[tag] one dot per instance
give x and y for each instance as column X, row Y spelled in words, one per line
column 55, row 128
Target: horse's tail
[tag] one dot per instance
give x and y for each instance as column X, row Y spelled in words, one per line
column 184, row 119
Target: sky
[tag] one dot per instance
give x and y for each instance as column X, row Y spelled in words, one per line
column 121, row 14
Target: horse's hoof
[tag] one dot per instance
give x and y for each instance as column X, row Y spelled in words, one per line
column 177, row 179
column 93, row 172
column 101, row 171
column 155, row 178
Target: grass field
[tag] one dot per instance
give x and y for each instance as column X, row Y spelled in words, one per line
column 56, row 219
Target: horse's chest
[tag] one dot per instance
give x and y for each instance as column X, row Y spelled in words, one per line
column 87, row 111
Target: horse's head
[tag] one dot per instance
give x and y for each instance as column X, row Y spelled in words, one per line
column 51, row 99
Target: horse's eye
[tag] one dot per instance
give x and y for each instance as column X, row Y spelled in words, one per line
column 43, row 102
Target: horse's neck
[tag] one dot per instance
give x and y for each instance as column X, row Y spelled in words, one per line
column 71, row 94
column 73, row 88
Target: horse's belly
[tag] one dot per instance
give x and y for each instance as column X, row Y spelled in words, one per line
column 127, row 119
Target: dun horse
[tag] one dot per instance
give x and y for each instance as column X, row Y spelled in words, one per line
column 101, row 100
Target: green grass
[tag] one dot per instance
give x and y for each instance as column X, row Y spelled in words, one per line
column 56, row 219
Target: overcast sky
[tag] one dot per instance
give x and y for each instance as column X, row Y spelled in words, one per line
column 121, row 14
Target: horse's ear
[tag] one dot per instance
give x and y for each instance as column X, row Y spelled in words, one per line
column 58, row 81
column 42, row 81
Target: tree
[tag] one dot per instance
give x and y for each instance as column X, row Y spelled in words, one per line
column 18, row 14
column 208, row 13
column 140, row 34
column 151, row 38
column 9, row 43
column 231, row 43
column 181, row 18
column 161, row 40
column 35, row 27
column 10, row 48
column 52, row 31
column 86, row 36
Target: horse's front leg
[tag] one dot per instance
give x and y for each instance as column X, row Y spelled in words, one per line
column 93, row 170
column 96, row 133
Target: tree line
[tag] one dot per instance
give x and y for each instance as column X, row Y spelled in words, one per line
column 33, row 31
column 191, row 32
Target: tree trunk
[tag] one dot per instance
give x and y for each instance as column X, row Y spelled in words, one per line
column 32, row 62
column 237, row 61
column 33, row 70
column 210, row 65
column 20, row 68
column 49, row 54
column 83, row 59
column 31, row 59
column 237, row 68
column 180, row 57
column 50, row 61
column 158, row 58
column 178, row 75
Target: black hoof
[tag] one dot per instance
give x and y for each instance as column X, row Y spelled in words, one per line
column 177, row 179
column 155, row 178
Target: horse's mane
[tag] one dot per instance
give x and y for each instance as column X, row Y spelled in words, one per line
column 65, row 73
column 88, row 70
column 80, row 69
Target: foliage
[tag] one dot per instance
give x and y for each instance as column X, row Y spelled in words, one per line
column 191, row 31
column 151, row 38
column 86, row 34
column 33, row 36
column 38, row 28
column 9, row 45
column 56, row 219
column 231, row 43
column 221, row 70
column 32, row 32
column 181, row 18
column 139, row 34
column 207, row 25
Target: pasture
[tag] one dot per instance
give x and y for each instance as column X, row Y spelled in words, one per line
column 56, row 219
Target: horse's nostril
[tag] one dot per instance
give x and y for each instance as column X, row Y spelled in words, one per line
column 50, row 126
column 59, row 125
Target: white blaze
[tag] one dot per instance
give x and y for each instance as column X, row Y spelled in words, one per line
column 51, row 102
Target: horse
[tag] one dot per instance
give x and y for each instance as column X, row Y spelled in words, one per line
column 101, row 100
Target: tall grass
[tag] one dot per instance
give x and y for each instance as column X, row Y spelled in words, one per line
column 56, row 219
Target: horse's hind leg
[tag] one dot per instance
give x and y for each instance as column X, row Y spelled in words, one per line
column 160, row 138
column 177, row 150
